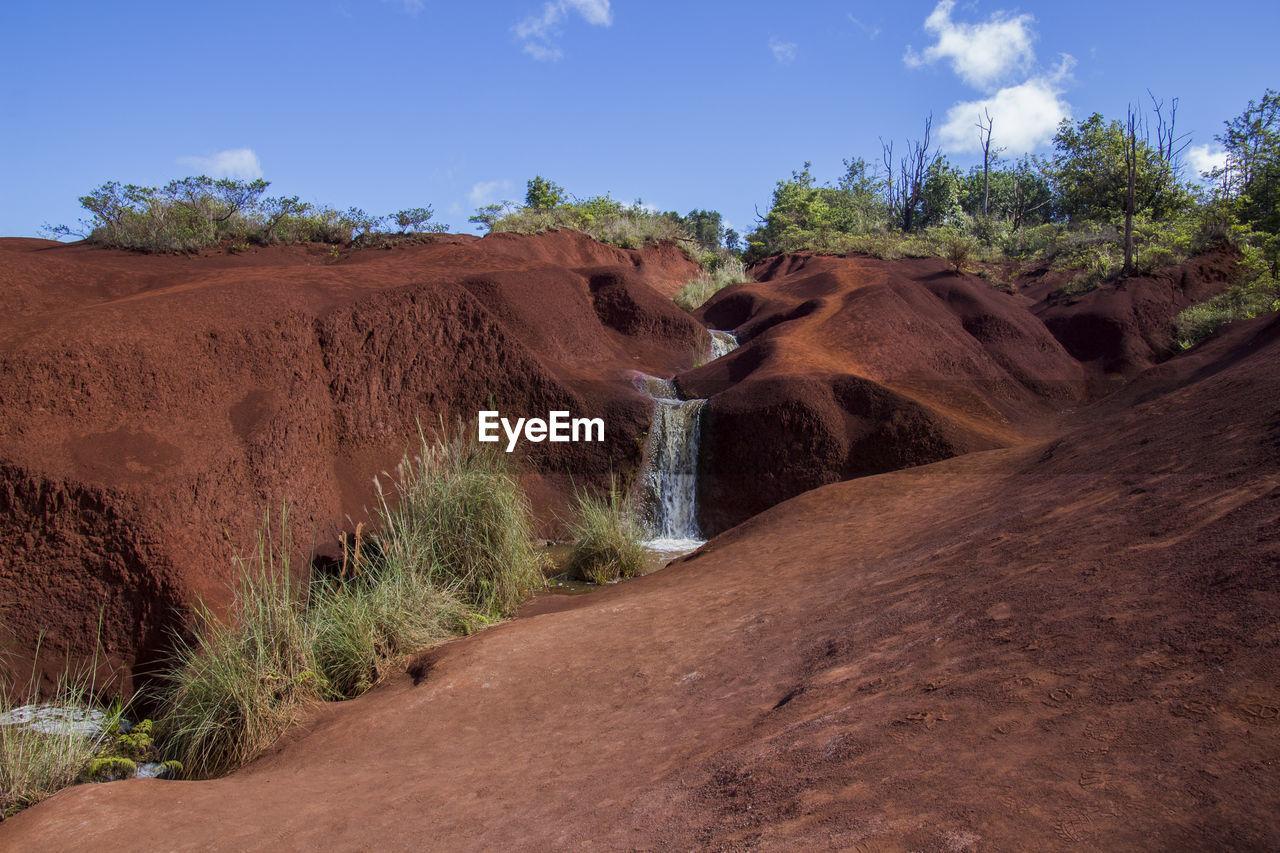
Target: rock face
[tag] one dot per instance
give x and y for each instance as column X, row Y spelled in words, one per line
column 154, row 408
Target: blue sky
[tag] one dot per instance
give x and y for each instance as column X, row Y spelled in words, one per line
column 387, row 104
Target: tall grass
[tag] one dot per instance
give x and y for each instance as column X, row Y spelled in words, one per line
column 455, row 549
column 364, row 624
column 243, row 681
column 459, row 516
column 696, row 291
column 37, row 761
column 607, row 542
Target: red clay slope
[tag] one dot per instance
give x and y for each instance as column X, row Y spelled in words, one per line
column 152, row 408
column 1071, row 645
column 1120, row 329
column 856, row 366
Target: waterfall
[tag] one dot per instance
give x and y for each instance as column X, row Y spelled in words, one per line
column 670, row 468
column 673, row 470
column 722, row 343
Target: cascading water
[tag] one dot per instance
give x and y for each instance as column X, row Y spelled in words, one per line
column 670, row 471
column 722, row 343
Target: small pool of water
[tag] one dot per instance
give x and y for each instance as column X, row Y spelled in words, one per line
column 658, row 553
column 57, row 719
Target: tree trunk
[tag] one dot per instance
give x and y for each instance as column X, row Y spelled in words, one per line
column 1131, row 161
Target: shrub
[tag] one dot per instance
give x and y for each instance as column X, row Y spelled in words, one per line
column 957, row 248
column 196, row 213
column 417, row 220
column 461, row 518
column 601, row 217
column 1244, row 301
column 243, row 682
column 607, row 540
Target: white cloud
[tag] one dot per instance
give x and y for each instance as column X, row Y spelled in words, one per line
column 983, row 55
column 1024, row 117
column 487, row 192
column 540, row 32
column 1206, row 158
column 232, row 163
column 596, row 12
column 783, row 51
column 871, row 31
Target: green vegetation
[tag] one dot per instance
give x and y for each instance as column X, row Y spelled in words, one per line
column 196, row 213
column 460, row 516
column 453, row 552
column 242, row 682
column 37, row 762
column 1256, row 293
column 604, row 218
column 547, row 207
column 607, row 542
column 366, row 623
column 1244, row 208
column 34, row 765
column 709, row 282
column 1073, row 212
column 109, row 769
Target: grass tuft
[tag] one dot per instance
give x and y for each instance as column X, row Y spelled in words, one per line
column 607, row 540
column 461, row 517
column 243, row 682
column 38, row 761
column 708, row 283
column 364, row 624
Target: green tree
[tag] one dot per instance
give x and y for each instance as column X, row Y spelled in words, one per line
column 1252, row 173
column 732, row 240
column 491, row 213
column 798, row 211
column 1020, row 193
column 705, row 226
column 543, row 194
column 417, row 220
column 1091, row 177
column 939, row 194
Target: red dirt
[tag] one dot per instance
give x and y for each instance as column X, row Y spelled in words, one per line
column 1062, row 637
column 856, row 366
column 1069, row 644
column 154, row 407
column 1121, row 329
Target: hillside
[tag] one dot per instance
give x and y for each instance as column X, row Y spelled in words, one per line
column 1071, row 641
column 976, row 585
